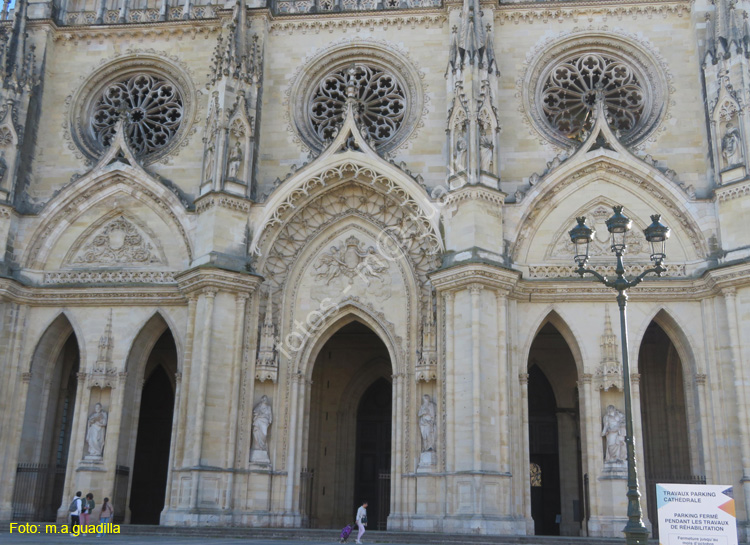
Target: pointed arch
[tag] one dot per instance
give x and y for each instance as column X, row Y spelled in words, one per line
column 615, row 166
column 349, row 311
column 144, row 341
column 55, row 334
column 84, row 194
column 676, row 332
column 552, row 316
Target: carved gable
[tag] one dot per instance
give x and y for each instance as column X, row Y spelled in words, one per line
column 118, row 241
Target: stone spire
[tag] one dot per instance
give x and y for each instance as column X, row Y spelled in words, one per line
column 727, row 30
column 473, row 128
column 267, row 365
column 106, row 343
column 609, row 373
column 234, row 84
column 608, row 341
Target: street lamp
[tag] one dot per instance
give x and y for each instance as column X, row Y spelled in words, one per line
column 656, row 234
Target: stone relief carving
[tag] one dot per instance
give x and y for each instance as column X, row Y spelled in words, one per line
column 235, row 161
column 118, row 242
column 96, row 431
column 600, row 247
column 267, row 363
column 350, row 259
column 609, row 372
column 613, row 428
column 731, row 146
column 262, row 420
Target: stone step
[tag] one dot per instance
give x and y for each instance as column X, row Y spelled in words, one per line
column 297, row 534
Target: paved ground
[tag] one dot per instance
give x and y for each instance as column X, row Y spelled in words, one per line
column 43, row 539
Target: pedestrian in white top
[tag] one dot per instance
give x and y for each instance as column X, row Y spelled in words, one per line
column 361, row 520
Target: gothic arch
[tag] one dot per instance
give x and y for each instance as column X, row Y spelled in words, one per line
column 351, row 310
column 148, row 333
column 54, row 336
column 676, row 333
column 644, row 185
column 93, row 189
column 552, row 316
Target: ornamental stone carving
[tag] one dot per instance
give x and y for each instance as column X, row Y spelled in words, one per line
column 96, row 432
column 613, row 428
column 154, row 109
column 118, row 242
column 350, row 259
column 262, row 420
column 564, row 73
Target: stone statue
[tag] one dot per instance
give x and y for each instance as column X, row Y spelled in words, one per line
column 731, row 146
column 459, row 157
column 208, row 173
column 97, row 428
column 613, row 429
column 427, row 424
column 235, row 161
column 486, row 153
column 262, row 419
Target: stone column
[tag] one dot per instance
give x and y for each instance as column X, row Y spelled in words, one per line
column 183, row 403
column 592, row 443
column 503, row 390
column 523, row 379
column 209, row 295
column 476, row 380
column 730, row 296
column 173, row 441
column 640, row 455
column 235, row 379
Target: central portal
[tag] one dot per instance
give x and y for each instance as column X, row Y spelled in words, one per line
column 349, row 442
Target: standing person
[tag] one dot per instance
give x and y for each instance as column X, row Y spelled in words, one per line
column 75, row 512
column 88, row 507
column 361, row 521
column 105, row 516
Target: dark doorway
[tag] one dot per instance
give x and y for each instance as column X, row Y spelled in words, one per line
column 373, row 451
column 544, row 471
column 151, row 463
column 47, row 424
column 664, row 416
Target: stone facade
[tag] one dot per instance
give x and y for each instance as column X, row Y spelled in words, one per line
column 263, row 261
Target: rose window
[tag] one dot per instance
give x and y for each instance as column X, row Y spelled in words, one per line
column 154, row 108
column 381, row 103
column 569, row 94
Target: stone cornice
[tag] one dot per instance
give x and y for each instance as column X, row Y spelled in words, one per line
column 200, row 278
column 12, row 290
column 475, row 193
column 192, row 28
column 315, row 23
column 222, row 200
column 465, row 275
column 575, row 10
column 732, row 191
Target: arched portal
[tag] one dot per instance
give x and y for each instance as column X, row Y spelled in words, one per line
column 349, row 447
column 664, row 415
column 554, row 436
column 147, row 422
column 46, row 432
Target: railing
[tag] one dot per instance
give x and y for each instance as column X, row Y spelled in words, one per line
column 384, row 502
column 288, row 7
column 37, row 492
column 653, row 480
column 305, row 496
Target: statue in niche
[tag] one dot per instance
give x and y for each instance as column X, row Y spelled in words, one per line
column 486, row 153
column 209, row 162
column 613, row 428
column 97, row 429
column 427, row 424
column 459, row 156
column 262, row 419
column 3, row 169
column 235, row 161
column 731, row 146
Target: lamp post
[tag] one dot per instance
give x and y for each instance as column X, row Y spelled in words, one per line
column 656, row 234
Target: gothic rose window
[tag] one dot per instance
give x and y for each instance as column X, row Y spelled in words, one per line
column 381, row 103
column 154, row 108
column 569, row 94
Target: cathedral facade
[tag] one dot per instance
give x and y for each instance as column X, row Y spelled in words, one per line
column 264, row 261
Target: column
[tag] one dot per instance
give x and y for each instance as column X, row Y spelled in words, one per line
column 209, row 298
column 523, row 379
column 730, row 296
column 476, row 377
column 235, row 379
column 182, row 403
column 503, row 392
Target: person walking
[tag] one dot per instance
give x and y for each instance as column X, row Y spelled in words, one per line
column 88, row 507
column 361, row 521
column 105, row 516
column 75, row 509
